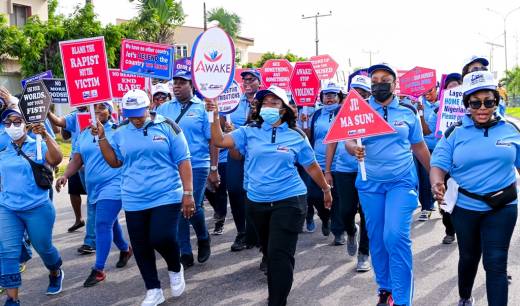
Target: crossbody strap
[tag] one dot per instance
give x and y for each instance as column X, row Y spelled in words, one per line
column 183, row 111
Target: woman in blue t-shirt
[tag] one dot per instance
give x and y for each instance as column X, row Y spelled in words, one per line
column 275, row 192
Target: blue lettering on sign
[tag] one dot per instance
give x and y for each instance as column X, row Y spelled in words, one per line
column 40, row 76
column 159, row 66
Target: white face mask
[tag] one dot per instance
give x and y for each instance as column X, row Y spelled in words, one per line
column 15, row 132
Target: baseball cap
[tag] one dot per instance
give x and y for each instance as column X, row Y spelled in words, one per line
column 135, row 102
column 9, row 112
column 275, row 90
column 453, row 77
column 382, row 66
column 478, row 80
column 475, row 58
column 331, row 88
column 182, row 74
column 253, row 72
column 160, row 88
column 361, row 81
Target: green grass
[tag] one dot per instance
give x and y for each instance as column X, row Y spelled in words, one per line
column 513, row 112
column 65, row 148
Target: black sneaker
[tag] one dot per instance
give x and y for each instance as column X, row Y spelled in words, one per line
column 86, row 249
column 76, row 226
column 219, row 228
column 187, row 260
column 325, row 228
column 94, row 278
column 124, row 257
column 385, row 298
column 204, row 250
column 11, row 302
column 240, row 243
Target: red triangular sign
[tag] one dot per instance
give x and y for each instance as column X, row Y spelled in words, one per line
column 356, row 119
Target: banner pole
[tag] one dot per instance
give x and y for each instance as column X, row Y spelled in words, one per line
column 362, row 163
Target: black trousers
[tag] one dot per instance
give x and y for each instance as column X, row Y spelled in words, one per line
column 278, row 225
column 151, row 230
column 348, row 202
column 218, row 199
column 448, row 225
column 485, row 234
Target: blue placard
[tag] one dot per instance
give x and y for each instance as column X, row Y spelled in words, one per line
column 40, row 76
column 150, row 62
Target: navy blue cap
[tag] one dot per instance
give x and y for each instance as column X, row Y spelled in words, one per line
column 182, row 74
column 9, row 112
column 382, row 66
column 453, row 77
column 253, row 72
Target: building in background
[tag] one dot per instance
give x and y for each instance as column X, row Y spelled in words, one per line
column 18, row 12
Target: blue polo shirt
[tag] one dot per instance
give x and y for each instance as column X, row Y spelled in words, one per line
column 321, row 127
column 48, row 128
column 270, row 157
column 478, row 163
column 240, row 115
column 102, row 181
column 72, row 126
column 345, row 162
column 430, row 139
column 432, row 122
column 195, row 126
column 19, row 190
column 4, row 138
column 389, row 157
column 150, row 173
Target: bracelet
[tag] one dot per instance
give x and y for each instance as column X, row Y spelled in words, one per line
column 326, row 171
column 328, row 189
column 104, row 138
column 187, row 192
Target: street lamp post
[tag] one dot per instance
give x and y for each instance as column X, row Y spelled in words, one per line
column 504, row 17
column 316, row 21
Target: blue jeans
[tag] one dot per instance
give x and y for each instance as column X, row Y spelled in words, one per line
column 108, row 230
column 485, row 234
column 38, row 222
column 200, row 175
column 388, row 208
column 425, row 188
column 90, row 235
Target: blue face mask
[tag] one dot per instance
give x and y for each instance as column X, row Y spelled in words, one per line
column 270, row 115
column 331, row 107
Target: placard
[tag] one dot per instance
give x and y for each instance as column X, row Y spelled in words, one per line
column 35, row 102
column 58, row 90
column 147, row 59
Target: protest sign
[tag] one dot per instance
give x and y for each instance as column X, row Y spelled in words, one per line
column 57, row 89
column 84, row 120
column 182, row 64
column 417, row 81
column 356, row 120
column 277, row 72
column 43, row 75
column 34, row 105
column 213, row 63
column 228, row 101
column 304, row 83
column 123, row 82
column 451, row 110
column 147, row 59
column 86, row 71
column 324, row 65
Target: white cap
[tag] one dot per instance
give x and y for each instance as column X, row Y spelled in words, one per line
column 160, row 87
column 361, row 81
column 275, row 90
column 476, row 58
column 478, row 80
column 135, row 102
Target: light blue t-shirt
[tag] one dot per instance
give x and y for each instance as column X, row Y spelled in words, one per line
column 19, row 190
column 321, row 127
column 389, row 157
column 240, row 115
column 478, row 163
column 4, row 138
column 150, row 171
column 345, row 162
column 102, row 181
column 270, row 157
column 195, row 126
column 430, row 139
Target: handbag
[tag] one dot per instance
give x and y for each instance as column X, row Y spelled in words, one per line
column 496, row 199
column 43, row 175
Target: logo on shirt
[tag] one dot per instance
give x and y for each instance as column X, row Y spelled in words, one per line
column 399, row 123
column 191, row 114
column 501, row 143
column 282, row 149
column 158, row 138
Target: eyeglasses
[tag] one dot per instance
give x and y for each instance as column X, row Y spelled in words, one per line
column 477, row 104
column 160, row 96
column 17, row 123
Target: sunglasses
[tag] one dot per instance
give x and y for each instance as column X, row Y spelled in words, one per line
column 477, row 104
column 474, row 69
column 17, row 123
column 160, row 96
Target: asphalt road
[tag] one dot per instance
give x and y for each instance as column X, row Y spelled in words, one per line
column 324, row 274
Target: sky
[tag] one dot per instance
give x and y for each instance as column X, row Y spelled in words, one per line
column 438, row 34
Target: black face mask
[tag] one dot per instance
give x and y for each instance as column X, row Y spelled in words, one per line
column 381, row 91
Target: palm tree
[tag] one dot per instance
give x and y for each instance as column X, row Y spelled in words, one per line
column 228, row 21
column 158, row 19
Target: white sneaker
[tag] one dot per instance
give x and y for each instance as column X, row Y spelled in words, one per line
column 153, row 297
column 177, row 282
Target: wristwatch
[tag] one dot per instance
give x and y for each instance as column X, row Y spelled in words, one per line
column 213, row 168
column 187, row 193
